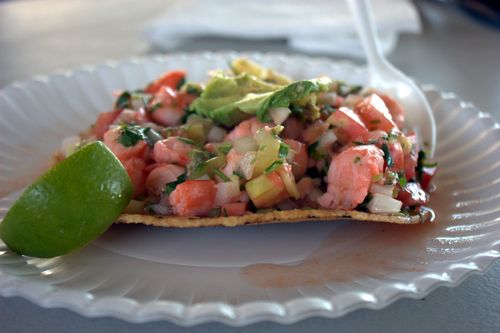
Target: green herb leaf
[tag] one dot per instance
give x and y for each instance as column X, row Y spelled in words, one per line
column 224, row 147
column 239, row 174
column 284, row 150
column 274, row 166
column 314, row 152
column 170, row 187
column 154, row 107
column 186, row 140
column 402, row 179
column 180, row 83
column 357, row 159
column 124, row 101
column 130, row 135
column 221, row 175
column 151, row 136
column 387, row 155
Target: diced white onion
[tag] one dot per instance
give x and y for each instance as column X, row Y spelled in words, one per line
column 327, row 139
column 216, row 134
column 245, row 144
column 384, row 204
column 226, row 191
column 382, row 189
column 247, row 164
column 69, row 144
column 160, row 209
column 279, row 115
column 289, row 181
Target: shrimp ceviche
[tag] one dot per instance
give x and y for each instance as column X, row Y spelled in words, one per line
column 249, row 140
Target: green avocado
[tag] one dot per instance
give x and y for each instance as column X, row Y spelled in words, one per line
column 228, row 100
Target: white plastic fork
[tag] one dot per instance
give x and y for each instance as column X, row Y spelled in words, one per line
column 386, row 78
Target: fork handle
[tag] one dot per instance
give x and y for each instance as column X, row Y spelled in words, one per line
column 363, row 19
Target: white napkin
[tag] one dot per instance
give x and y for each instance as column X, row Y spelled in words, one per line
column 320, row 26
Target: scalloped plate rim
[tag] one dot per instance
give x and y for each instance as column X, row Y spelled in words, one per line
column 236, row 315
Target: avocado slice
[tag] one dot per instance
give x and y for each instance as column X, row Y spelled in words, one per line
column 228, row 100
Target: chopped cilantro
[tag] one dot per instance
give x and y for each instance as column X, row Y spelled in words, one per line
column 124, row 101
column 239, row 174
column 151, row 136
column 154, row 107
column 180, row 83
column 377, row 178
column 387, row 155
column 186, row 140
column 358, row 143
column 130, row 135
column 314, row 152
column 328, row 109
column 402, row 179
column 221, row 175
column 224, row 147
column 357, row 159
column 284, row 150
column 274, row 166
column 296, row 109
column 363, row 206
column 170, row 187
column 375, row 121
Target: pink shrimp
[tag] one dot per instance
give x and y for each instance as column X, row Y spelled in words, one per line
column 233, row 159
column 350, row 176
column 171, row 106
column 246, row 128
column 123, row 153
column 172, row 150
column 193, row 198
column 160, row 176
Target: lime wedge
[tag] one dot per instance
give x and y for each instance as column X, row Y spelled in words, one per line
column 70, row 205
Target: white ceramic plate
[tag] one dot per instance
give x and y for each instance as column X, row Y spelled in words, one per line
column 282, row 273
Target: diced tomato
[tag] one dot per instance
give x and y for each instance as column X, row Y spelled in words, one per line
column 348, row 125
column 136, row 171
column 170, row 79
column 103, row 121
column 193, row 198
column 426, row 177
column 411, row 157
column 375, row 114
column 234, row 209
column 413, row 195
column 300, row 158
column 396, row 151
column 313, row 131
column 395, row 109
column 293, row 128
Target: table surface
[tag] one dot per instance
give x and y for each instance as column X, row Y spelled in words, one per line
column 453, row 52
